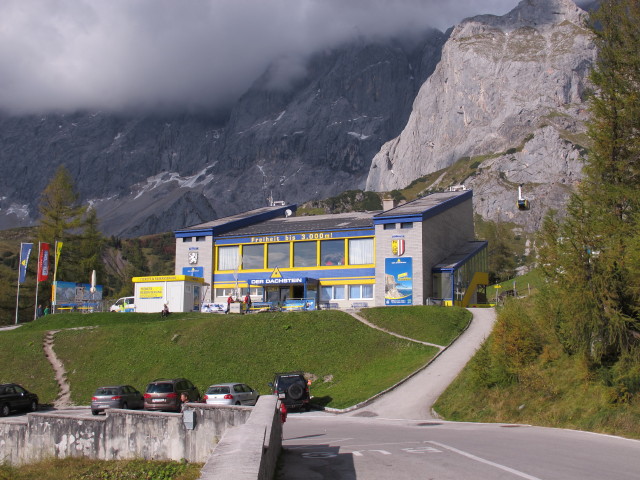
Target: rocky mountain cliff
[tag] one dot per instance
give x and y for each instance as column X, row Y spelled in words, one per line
column 309, row 139
column 510, row 91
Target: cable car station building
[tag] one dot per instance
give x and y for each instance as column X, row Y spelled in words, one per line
column 421, row 252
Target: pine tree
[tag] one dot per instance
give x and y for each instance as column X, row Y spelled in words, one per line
column 591, row 256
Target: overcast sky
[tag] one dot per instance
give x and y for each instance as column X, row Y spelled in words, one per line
column 186, row 54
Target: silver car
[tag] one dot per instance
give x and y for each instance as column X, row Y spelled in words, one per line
column 116, row 396
column 231, row 394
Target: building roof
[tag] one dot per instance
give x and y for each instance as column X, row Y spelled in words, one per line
column 232, row 218
column 453, row 261
column 226, row 224
column 425, row 207
column 311, row 223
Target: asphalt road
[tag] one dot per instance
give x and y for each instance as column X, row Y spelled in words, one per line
column 413, row 399
column 338, row 447
column 396, row 437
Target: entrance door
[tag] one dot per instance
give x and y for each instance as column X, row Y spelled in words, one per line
column 298, row 291
column 284, row 294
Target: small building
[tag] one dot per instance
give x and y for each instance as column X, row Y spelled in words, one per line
column 181, row 293
column 348, row 260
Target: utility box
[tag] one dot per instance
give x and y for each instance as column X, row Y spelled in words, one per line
column 181, row 293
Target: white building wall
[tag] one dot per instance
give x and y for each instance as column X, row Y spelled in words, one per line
column 204, row 250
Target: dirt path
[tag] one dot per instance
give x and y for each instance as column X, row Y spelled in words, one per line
column 369, row 324
column 64, row 394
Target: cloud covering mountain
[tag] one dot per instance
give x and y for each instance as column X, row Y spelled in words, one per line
column 122, row 55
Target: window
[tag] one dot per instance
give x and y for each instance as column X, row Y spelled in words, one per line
column 200, row 239
column 228, row 258
column 186, row 239
column 360, row 251
column 360, row 291
column 335, row 292
column 406, row 225
column 278, row 255
column 389, row 226
column 332, row 252
column 304, row 254
column 253, row 256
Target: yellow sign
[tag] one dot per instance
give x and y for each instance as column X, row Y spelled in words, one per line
column 276, row 273
column 151, row 292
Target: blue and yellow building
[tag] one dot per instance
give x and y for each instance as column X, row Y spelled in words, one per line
column 417, row 253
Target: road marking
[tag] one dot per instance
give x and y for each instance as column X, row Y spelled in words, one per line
column 358, row 453
column 487, row 462
column 327, row 442
column 422, row 450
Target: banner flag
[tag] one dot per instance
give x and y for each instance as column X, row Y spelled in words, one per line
column 25, row 253
column 58, row 250
column 43, row 262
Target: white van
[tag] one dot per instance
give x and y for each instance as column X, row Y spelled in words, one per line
column 124, row 304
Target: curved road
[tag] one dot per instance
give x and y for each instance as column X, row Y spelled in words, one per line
column 413, row 399
column 396, row 436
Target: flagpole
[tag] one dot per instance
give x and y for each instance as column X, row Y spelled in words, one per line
column 53, row 286
column 35, row 307
column 18, row 294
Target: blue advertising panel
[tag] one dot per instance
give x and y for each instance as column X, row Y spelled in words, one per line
column 72, row 294
column 398, row 288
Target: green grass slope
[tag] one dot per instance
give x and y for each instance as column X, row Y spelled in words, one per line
column 349, row 361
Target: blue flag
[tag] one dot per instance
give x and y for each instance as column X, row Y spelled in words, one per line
column 25, row 252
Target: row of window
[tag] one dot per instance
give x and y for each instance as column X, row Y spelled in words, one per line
column 327, row 293
column 339, row 292
column 392, row 226
column 259, row 256
column 190, row 239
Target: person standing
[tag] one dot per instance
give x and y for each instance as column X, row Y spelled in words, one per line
column 47, row 311
column 40, row 311
column 247, row 303
column 184, row 398
column 229, row 302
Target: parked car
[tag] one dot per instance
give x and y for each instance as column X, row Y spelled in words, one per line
column 164, row 394
column 231, row 394
column 292, row 389
column 124, row 304
column 116, row 396
column 15, row 397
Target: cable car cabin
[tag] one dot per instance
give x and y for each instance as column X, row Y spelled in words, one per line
column 523, row 204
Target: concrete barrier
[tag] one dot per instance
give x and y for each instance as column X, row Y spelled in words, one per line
column 249, row 451
column 242, row 443
column 120, row 434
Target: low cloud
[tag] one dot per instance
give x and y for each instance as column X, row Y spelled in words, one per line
column 116, row 55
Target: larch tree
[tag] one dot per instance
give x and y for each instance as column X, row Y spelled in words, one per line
column 591, row 256
column 64, row 219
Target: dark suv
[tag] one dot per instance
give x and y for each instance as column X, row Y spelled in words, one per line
column 164, row 394
column 292, row 389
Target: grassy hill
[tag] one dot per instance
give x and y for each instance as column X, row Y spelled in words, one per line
column 523, row 374
column 349, row 361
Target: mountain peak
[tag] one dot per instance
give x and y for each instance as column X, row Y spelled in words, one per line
column 536, row 13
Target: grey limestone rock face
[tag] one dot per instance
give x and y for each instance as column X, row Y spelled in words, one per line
column 310, row 138
column 500, row 80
